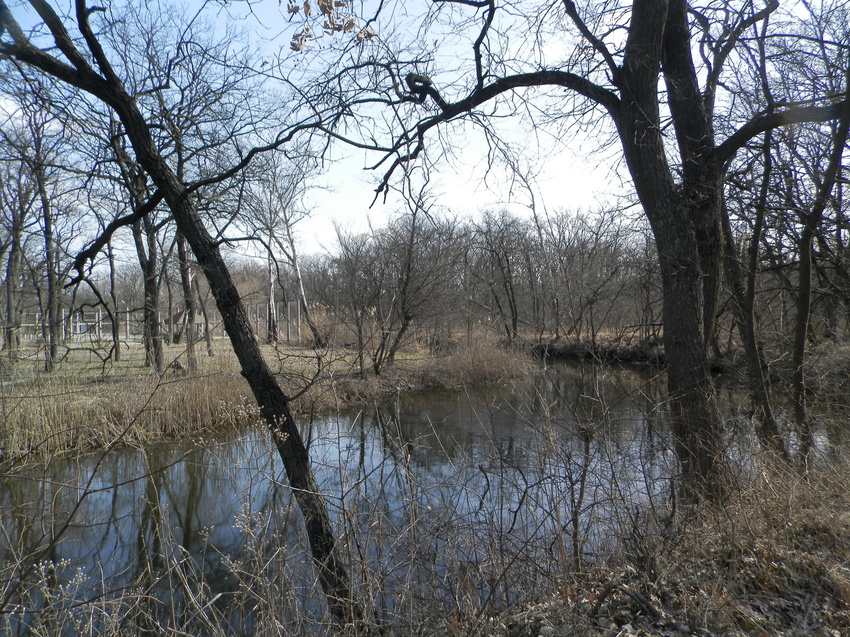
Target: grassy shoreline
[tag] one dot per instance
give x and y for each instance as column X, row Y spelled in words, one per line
column 90, row 404
column 774, row 559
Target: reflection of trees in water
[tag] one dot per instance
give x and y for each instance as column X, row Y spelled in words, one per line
column 470, row 500
column 159, row 520
column 465, row 490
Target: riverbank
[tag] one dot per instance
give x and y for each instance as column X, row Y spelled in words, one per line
column 88, row 403
column 605, row 350
column 774, row 559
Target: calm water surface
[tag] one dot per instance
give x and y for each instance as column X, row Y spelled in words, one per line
column 426, row 491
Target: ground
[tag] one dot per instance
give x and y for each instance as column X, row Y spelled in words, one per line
column 774, row 561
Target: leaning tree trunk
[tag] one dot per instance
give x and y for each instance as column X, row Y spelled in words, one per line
column 274, row 404
column 106, row 85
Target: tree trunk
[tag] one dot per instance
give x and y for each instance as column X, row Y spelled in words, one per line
column 318, row 339
column 188, row 303
column 695, row 415
column 148, row 260
column 51, row 316
column 207, row 327
column 742, row 307
column 113, row 295
column 274, row 404
column 12, row 324
column 681, row 221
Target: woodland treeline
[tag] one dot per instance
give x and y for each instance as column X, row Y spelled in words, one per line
column 134, row 123
column 570, row 282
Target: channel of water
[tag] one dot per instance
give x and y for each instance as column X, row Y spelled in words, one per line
column 473, row 498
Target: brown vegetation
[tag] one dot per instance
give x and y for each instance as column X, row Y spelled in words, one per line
column 88, row 404
column 772, row 560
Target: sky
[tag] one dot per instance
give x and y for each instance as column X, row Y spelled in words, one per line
column 346, row 196
column 567, row 175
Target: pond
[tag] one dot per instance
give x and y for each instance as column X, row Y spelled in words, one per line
column 452, row 502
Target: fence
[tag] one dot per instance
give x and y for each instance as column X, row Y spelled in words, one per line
column 94, row 325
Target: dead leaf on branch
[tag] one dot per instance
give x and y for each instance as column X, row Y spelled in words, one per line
column 337, row 20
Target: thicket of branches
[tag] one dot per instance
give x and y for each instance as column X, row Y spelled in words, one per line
column 139, row 124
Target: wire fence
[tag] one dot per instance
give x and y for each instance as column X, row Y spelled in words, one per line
column 283, row 322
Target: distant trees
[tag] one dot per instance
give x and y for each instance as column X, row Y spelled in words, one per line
column 573, row 277
column 500, row 266
column 591, row 264
column 386, row 283
column 38, row 212
column 272, row 208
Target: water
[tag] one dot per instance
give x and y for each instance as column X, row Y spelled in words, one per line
column 470, row 500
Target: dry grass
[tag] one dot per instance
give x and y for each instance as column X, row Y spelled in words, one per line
column 90, row 403
column 86, row 404
column 774, row 560
column 481, row 361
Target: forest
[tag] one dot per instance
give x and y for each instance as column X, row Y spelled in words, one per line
column 159, row 170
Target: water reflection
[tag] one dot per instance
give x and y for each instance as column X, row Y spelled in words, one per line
column 438, row 495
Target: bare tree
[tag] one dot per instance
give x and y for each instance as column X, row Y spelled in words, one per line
column 276, row 206
column 84, row 64
column 35, row 140
column 417, row 255
column 675, row 141
column 502, row 240
column 18, row 196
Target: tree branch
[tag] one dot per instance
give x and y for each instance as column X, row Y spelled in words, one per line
column 540, row 79
column 81, row 75
column 727, row 47
column 489, row 14
column 595, row 42
column 92, row 42
column 768, row 121
column 97, row 245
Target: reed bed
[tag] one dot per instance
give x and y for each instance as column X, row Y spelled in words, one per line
column 90, row 403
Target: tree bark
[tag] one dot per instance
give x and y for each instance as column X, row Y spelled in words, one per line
column 188, row 303
column 51, row 318
column 11, row 327
column 684, row 219
column 148, row 261
column 115, row 313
